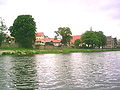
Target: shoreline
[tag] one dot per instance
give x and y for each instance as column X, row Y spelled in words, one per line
column 46, row 51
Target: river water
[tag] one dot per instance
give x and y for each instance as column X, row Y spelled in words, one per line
column 74, row 71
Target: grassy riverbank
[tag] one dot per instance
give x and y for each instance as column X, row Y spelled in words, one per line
column 22, row 51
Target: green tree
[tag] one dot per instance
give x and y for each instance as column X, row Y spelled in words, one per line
column 89, row 38
column 94, row 39
column 101, row 39
column 65, row 34
column 3, row 28
column 1, row 39
column 23, row 29
column 77, row 43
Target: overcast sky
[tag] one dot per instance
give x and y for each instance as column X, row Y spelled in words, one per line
column 79, row 15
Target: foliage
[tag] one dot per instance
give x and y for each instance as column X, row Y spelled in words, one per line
column 89, row 38
column 3, row 28
column 101, row 39
column 1, row 38
column 94, row 39
column 65, row 33
column 77, row 43
column 23, row 30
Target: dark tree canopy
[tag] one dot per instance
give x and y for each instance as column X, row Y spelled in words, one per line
column 66, row 35
column 23, row 29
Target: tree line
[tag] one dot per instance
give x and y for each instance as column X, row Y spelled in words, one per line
column 24, row 29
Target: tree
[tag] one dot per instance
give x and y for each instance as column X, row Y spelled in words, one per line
column 65, row 34
column 101, row 39
column 94, row 39
column 1, row 39
column 77, row 43
column 23, row 30
column 3, row 28
column 89, row 38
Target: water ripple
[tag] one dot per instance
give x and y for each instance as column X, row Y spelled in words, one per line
column 75, row 71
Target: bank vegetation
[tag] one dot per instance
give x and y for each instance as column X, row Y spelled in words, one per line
column 22, row 51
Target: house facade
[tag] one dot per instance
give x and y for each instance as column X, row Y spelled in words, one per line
column 118, row 43
column 42, row 40
column 111, row 42
column 8, row 41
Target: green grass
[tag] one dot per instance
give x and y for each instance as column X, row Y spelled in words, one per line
column 23, row 51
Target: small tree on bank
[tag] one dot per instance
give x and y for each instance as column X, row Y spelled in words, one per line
column 3, row 28
column 23, row 29
column 77, row 43
column 66, row 35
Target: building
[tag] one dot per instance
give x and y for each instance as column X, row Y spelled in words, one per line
column 7, row 41
column 111, row 42
column 56, row 42
column 42, row 40
column 118, row 43
column 75, row 37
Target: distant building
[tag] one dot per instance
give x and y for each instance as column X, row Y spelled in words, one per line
column 40, row 35
column 111, row 42
column 42, row 40
column 118, row 43
column 115, row 42
column 56, row 42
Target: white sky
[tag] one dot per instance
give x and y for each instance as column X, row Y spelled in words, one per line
column 79, row 15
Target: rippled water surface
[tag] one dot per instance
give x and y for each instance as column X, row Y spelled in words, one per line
column 75, row 71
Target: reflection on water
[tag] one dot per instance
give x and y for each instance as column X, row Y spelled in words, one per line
column 19, row 73
column 24, row 73
column 75, row 71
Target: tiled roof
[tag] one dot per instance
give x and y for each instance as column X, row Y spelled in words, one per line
column 57, row 41
column 49, row 40
column 75, row 38
column 39, row 34
column 46, row 39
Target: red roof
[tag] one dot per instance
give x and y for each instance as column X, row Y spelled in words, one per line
column 39, row 34
column 45, row 39
column 75, row 38
column 48, row 40
column 57, row 41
